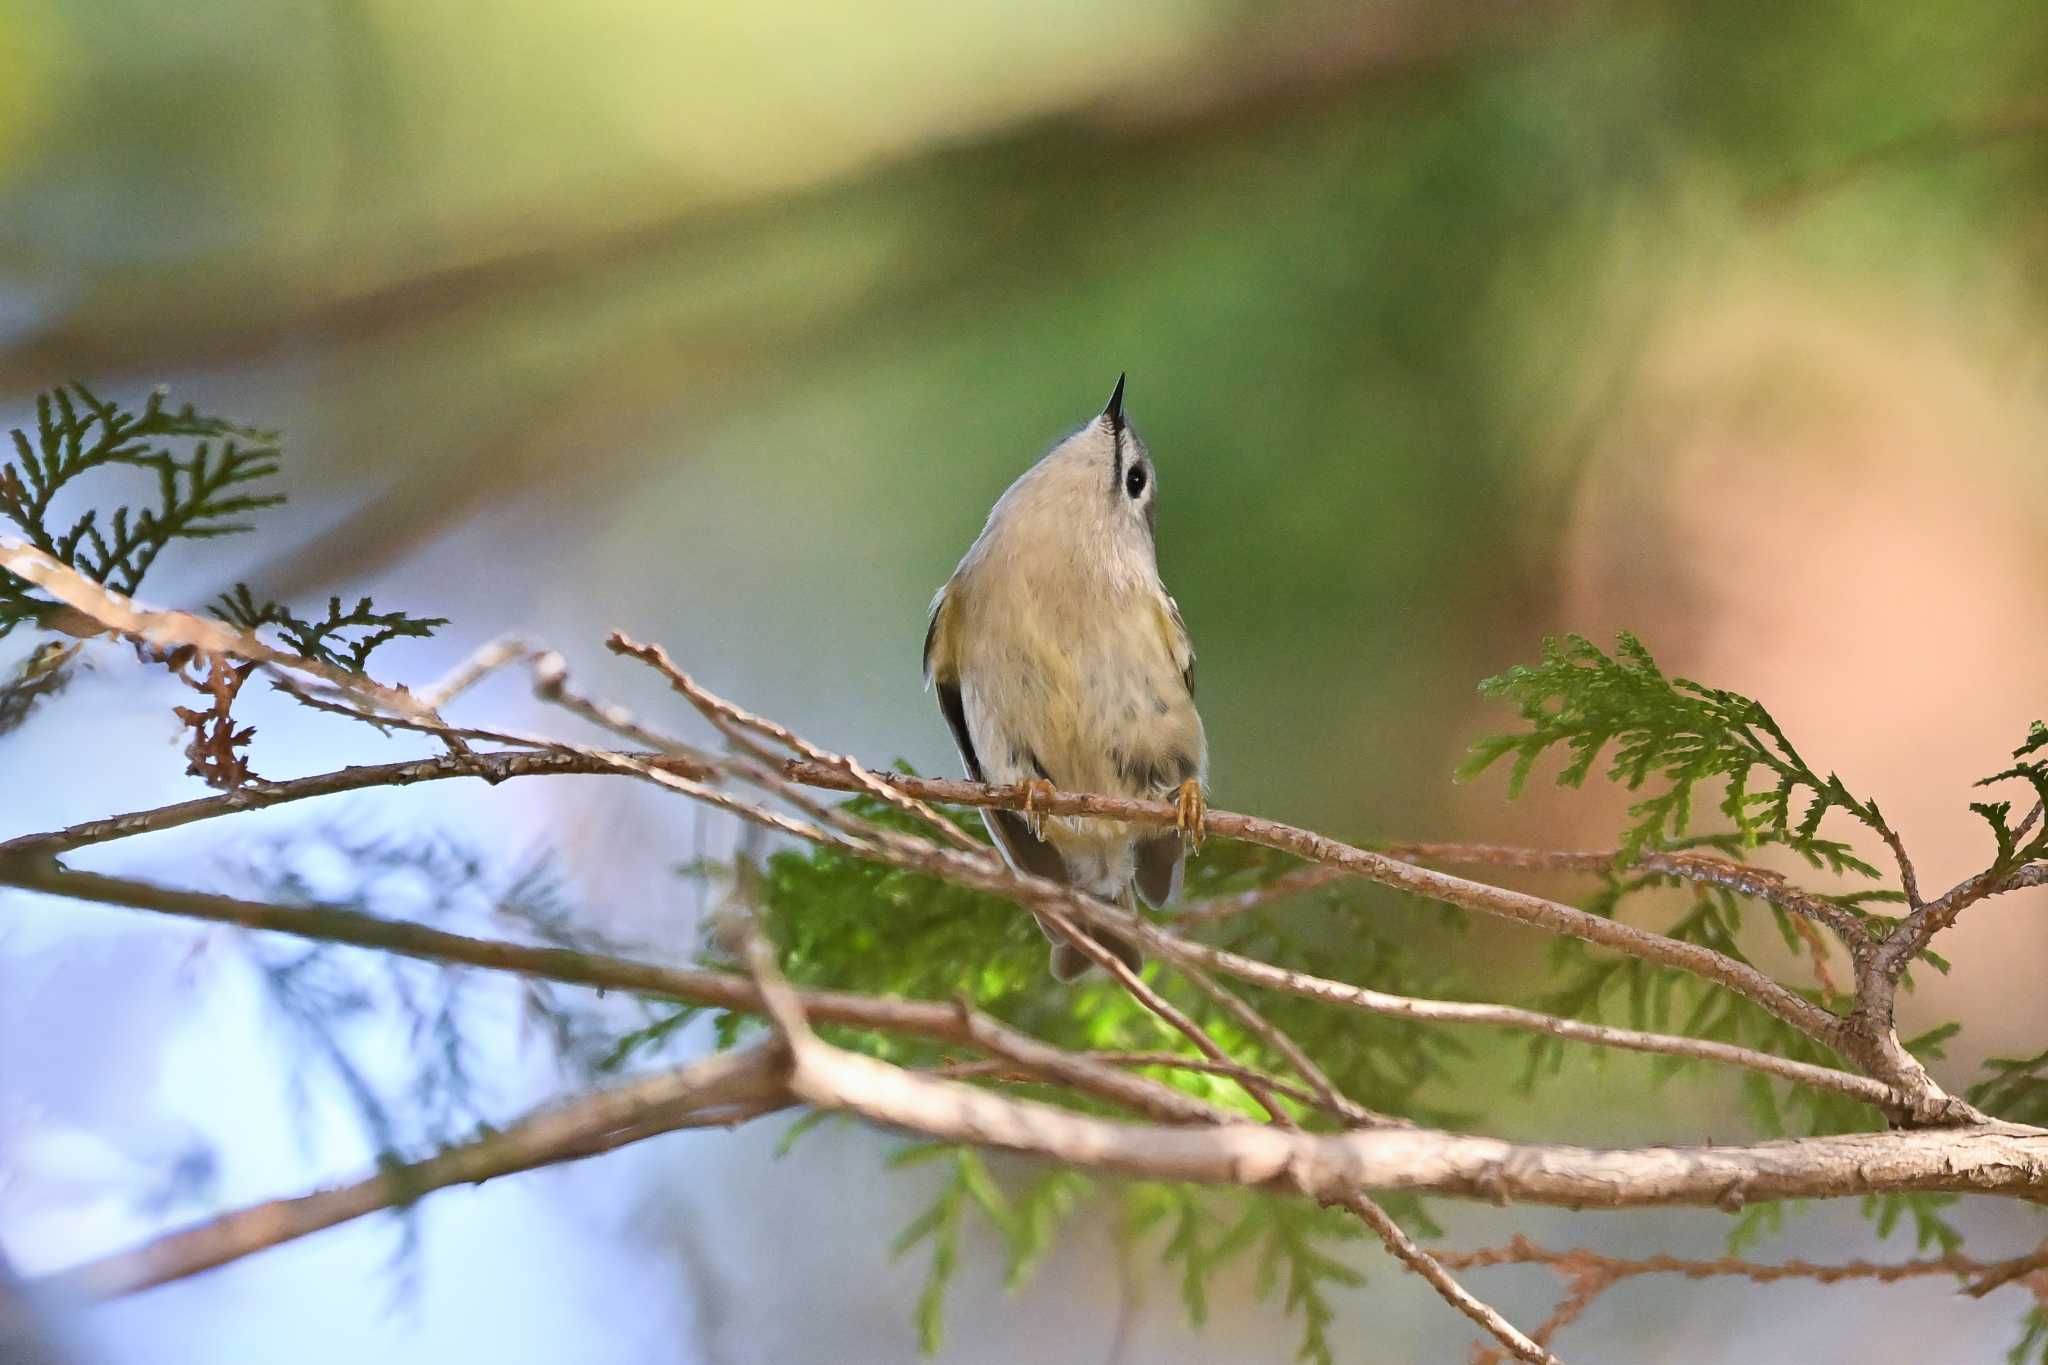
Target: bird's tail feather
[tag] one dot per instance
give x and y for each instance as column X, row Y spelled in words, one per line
column 1070, row 962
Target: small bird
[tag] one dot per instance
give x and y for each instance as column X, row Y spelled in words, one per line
column 1061, row 662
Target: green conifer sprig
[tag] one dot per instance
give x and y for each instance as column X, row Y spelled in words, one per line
column 200, row 494
column 2012, row 853
column 1668, row 730
column 206, row 471
column 345, row 639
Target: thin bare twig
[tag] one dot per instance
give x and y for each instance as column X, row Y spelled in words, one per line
column 689, row 985
column 1438, row 1275
column 1588, row 1274
column 1095, row 1073
column 494, row 767
column 483, row 662
column 1794, row 1009
column 1259, row 973
column 172, row 630
column 29, row 868
column 1178, row 1061
column 1918, row 929
column 1909, row 880
column 422, row 719
column 1295, row 882
column 1158, row 1004
column 1328, row 1095
column 551, row 684
column 736, row 721
column 1704, row 868
column 1980, row 1276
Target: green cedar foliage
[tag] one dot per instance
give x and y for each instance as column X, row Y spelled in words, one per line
column 198, row 495
column 204, row 476
column 345, row 639
column 1680, row 742
column 842, row 923
column 1669, row 729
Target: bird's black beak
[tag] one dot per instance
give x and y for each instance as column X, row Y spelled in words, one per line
column 1114, row 413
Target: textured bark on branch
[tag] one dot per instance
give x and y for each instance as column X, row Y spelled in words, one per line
column 1801, row 1167
column 1175, row 1136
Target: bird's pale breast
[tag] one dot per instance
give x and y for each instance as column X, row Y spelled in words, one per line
column 1086, row 694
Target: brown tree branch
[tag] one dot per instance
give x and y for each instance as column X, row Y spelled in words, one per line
column 1438, row 1276
column 1979, row 1276
column 808, row 1054
column 726, row 991
column 491, row 767
column 1589, row 1274
column 2001, row 1158
column 1992, row 1158
column 481, row 663
column 1918, row 929
column 1464, row 1173
column 1259, row 973
column 1304, row 1066
column 1909, row 880
column 1794, row 1009
column 1006, row 1071
column 736, row 1083
column 688, row 985
column 172, row 630
column 1704, row 868
column 737, row 722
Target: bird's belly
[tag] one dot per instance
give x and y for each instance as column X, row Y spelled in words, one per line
column 1090, row 711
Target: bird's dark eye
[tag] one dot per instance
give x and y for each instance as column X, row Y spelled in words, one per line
column 1134, row 481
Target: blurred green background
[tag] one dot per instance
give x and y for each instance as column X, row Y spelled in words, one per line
column 1449, row 325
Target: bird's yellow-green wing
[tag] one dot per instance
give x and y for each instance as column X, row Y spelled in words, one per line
column 1173, row 632
column 941, row 672
column 938, row 639
column 1011, row 831
column 1161, row 857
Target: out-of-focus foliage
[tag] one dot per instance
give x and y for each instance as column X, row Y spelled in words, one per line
column 2016, row 1088
column 329, row 998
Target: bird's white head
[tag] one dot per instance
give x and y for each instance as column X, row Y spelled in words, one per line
column 1097, row 487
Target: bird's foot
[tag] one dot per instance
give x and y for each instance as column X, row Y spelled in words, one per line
column 1191, row 813
column 1037, row 790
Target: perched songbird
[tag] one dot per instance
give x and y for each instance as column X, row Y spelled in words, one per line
column 1061, row 662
